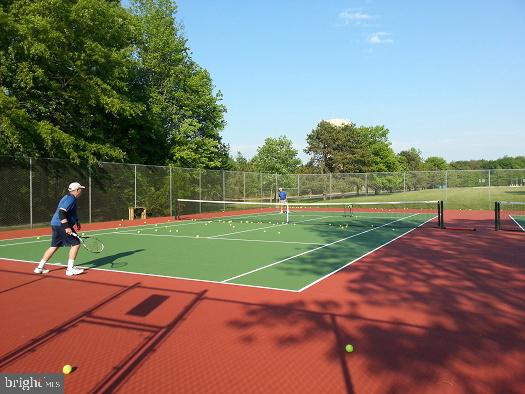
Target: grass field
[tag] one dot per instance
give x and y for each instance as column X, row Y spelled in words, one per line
column 479, row 198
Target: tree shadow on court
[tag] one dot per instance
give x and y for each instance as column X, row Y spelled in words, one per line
column 430, row 312
column 111, row 261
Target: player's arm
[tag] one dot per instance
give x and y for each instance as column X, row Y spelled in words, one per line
column 62, row 216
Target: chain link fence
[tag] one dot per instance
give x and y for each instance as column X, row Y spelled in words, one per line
column 31, row 188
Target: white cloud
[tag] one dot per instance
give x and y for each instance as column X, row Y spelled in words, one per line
column 353, row 16
column 380, row 38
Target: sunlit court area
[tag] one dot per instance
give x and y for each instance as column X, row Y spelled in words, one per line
column 244, row 197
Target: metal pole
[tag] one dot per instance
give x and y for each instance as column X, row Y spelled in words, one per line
column 89, row 186
column 135, row 186
column 330, row 187
column 490, row 199
column 223, row 191
column 200, row 191
column 446, row 185
column 261, row 187
column 366, row 184
column 171, row 195
column 404, row 181
column 30, row 192
column 298, row 187
column 244, row 186
column 276, row 187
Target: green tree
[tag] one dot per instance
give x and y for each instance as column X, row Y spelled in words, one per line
column 276, row 156
column 64, row 73
column 241, row 163
column 435, row 163
column 348, row 148
column 183, row 111
column 411, row 159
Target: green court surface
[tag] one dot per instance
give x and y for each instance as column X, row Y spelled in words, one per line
column 248, row 250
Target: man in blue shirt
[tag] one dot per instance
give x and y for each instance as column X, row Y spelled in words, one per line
column 62, row 227
column 282, row 198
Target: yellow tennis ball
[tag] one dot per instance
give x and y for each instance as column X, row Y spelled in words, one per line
column 120, row 224
column 197, row 235
column 67, row 369
column 37, row 237
column 176, row 231
column 349, row 348
column 170, row 231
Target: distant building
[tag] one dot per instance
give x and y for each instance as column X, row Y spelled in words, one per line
column 338, row 122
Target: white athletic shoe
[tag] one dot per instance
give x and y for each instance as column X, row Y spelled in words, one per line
column 74, row 271
column 40, row 271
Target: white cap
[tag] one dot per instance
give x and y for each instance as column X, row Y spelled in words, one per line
column 75, row 186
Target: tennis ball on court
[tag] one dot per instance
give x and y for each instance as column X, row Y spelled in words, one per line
column 120, row 224
column 197, row 236
column 349, row 348
column 176, row 231
column 144, row 222
column 138, row 231
column 278, row 232
column 170, row 231
column 37, row 237
column 156, row 230
column 67, row 369
column 264, row 231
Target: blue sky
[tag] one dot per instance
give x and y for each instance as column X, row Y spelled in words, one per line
column 446, row 77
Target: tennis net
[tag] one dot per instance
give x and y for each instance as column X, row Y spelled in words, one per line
column 509, row 215
column 368, row 214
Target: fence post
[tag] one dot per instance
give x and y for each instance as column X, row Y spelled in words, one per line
column 276, row 187
column 135, row 186
column 330, row 187
column 171, row 195
column 261, row 175
column 366, row 183
column 244, row 186
column 490, row 198
column 89, row 195
column 298, row 187
column 223, row 191
column 31, row 193
column 200, row 190
column 404, row 181
column 446, row 186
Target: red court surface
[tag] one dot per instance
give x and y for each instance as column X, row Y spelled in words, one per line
column 436, row 311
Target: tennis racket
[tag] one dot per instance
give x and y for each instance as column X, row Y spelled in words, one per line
column 93, row 244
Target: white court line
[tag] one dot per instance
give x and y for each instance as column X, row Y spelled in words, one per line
column 223, row 239
column 272, row 226
column 313, row 250
column 28, row 242
column 156, row 275
column 360, row 257
column 515, row 221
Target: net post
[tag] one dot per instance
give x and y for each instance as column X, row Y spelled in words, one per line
column 497, row 211
column 287, row 213
column 177, row 209
column 441, row 216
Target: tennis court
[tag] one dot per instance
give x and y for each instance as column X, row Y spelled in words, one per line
column 246, row 244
